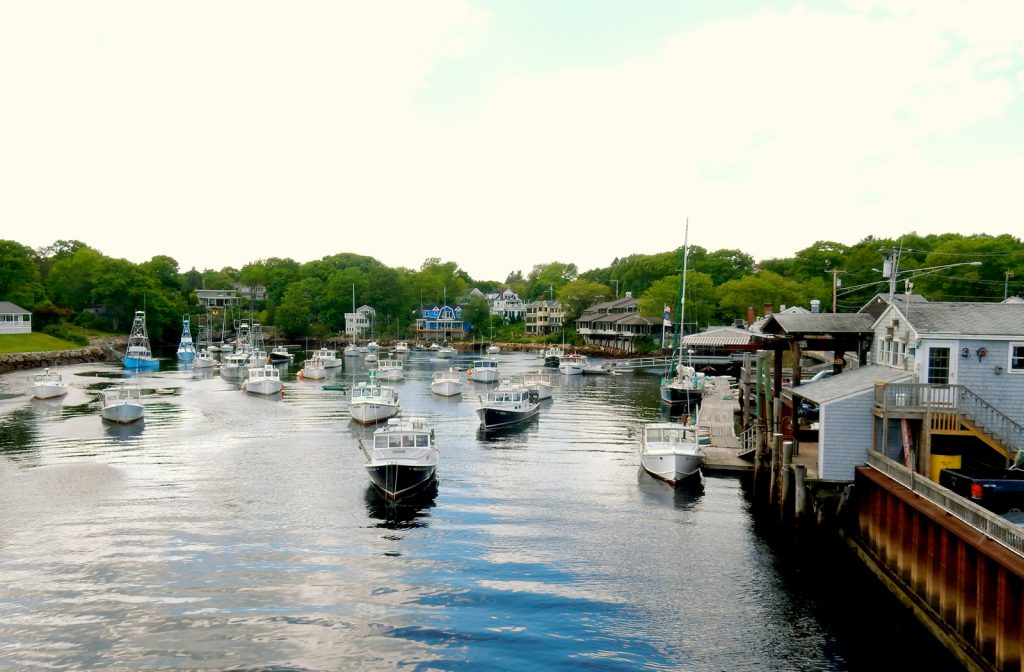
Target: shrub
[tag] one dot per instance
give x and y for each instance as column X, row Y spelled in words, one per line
column 66, row 332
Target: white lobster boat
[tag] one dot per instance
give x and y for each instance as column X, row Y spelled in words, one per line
column 403, row 458
column 265, row 380
column 391, row 369
column 313, row 369
column 372, row 402
column 672, row 451
column 483, row 371
column 122, row 404
column 538, row 382
column 446, row 383
column 48, row 384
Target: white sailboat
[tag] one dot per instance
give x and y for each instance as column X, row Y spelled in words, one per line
column 684, row 387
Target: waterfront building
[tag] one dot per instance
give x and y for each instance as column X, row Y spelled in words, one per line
column 359, row 324
column 14, row 319
column 544, row 317
column 507, row 305
column 614, row 324
column 439, row 324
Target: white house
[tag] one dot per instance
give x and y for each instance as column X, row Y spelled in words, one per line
column 507, row 305
column 14, row 319
column 360, row 323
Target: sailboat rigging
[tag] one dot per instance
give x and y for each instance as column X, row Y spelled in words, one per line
column 683, row 386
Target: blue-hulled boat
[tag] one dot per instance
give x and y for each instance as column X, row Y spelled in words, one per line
column 186, row 348
column 138, row 354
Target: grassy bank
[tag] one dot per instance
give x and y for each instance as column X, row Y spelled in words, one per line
column 34, row 342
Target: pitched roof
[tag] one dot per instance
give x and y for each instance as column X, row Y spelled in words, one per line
column 718, row 337
column 849, row 382
column 818, row 323
column 965, row 319
column 7, row 307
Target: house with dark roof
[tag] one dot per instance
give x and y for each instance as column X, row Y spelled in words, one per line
column 942, row 385
column 14, row 319
column 614, row 324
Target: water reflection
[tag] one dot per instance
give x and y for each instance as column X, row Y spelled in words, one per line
column 684, row 495
column 18, row 432
column 408, row 513
column 122, row 431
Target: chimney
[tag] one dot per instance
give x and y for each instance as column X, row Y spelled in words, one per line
column 750, row 315
column 767, row 309
column 815, row 306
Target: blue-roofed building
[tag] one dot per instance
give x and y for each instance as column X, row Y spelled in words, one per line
column 440, row 324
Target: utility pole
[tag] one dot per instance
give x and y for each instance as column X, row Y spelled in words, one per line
column 835, row 283
column 1006, row 285
column 891, row 267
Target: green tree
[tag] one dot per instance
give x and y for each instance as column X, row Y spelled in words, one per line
column 580, row 294
column 298, row 306
column 545, row 279
column 19, row 275
column 756, row 291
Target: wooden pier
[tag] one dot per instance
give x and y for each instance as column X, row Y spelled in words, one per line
column 727, row 453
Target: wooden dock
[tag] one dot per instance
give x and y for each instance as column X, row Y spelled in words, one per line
column 718, row 410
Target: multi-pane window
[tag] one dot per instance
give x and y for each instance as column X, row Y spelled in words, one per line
column 938, row 366
column 1017, row 357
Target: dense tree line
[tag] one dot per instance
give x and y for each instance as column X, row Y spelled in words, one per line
column 69, row 282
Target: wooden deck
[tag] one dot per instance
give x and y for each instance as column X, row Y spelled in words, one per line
column 718, row 411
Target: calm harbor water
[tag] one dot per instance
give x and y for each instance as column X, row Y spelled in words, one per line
column 230, row 531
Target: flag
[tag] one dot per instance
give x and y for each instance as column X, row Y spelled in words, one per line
column 667, row 319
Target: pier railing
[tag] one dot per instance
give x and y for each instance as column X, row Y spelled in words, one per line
column 980, row 518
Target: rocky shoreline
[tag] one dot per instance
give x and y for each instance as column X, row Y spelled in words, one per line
column 96, row 351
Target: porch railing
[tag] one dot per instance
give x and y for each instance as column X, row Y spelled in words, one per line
column 946, row 399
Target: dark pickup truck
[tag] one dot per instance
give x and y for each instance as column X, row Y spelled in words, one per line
column 998, row 490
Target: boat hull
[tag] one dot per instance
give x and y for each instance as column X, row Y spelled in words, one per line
column 396, row 481
column 124, row 413
column 552, row 361
column 672, row 467
column 680, row 396
column 264, row 387
column 367, row 413
column 483, row 375
column 542, row 391
column 570, row 369
column 391, row 374
column 49, row 390
column 144, row 363
column 446, row 388
column 317, row 373
column 502, row 417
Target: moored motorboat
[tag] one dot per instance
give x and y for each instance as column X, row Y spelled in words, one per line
column 204, row 360
column 372, row 402
column 265, row 380
column 483, row 371
column 446, row 351
column 391, row 369
column 538, row 382
column 507, row 404
column 572, row 364
column 186, row 348
column 138, row 354
column 403, row 457
column 48, row 384
column 328, row 357
column 553, row 356
column 313, row 369
column 446, row 383
column 122, row 403
column 672, row 451
column 401, row 348
column 280, row 353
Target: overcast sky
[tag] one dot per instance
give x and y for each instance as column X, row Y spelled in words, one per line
column 501, row 135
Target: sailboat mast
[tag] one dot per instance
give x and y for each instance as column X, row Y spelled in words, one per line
column 677, row 334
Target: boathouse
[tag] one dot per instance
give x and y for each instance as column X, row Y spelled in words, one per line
column 14, row 319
